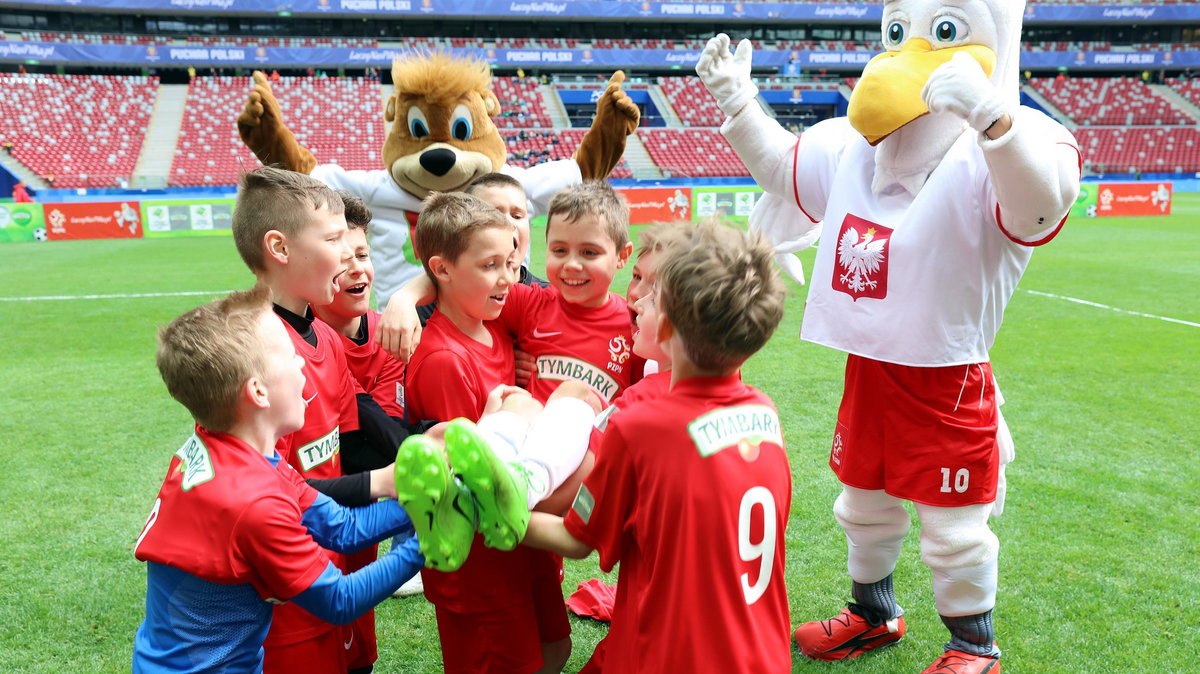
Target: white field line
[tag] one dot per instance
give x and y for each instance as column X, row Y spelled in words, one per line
column 214, row 293
column 116, row 296
column 1076, row 300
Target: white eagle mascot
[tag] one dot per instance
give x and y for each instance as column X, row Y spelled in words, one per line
column 932, row 194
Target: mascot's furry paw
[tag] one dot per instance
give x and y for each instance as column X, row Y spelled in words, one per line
column 617, row 116
column 262, row 129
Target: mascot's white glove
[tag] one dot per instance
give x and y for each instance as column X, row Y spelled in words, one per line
column 960, row 86
column 726, row 75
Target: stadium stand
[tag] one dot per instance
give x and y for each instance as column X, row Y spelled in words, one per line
column 692, row 102
column 1112, row 149
column 521, row 105
column 529, row 148
column 94, row 142
column 1188, row 88
column 337, row 118
column 692, row 153
column 1109, row 101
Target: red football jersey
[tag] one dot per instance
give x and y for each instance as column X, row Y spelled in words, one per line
column 375, row 370
column 315, row 449
column 691, row 494
column 449, row 376
column 651, row 387
column 568, row 341
column 226, row 515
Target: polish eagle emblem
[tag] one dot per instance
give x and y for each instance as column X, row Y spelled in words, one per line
column 860, row 257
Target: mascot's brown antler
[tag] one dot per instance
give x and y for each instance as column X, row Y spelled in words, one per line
column 617, row 116
column 263, row 130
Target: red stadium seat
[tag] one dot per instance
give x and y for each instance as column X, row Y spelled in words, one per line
column 96, row 143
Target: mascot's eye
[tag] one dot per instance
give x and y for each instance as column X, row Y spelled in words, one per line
column 949, row 29
column 417, row 126
column 895, row 33
column 460, row 123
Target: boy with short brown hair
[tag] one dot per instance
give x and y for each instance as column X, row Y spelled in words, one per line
column 489, row 617
column 712, row 449
column 232, row 531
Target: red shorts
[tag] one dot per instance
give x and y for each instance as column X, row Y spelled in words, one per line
column 547, row 575
column 360, row 634
column 323, row 654
column 924, row 434
column 504, row 641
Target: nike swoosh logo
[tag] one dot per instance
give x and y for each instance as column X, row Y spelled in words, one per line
column 538, row 334
column 348, row 643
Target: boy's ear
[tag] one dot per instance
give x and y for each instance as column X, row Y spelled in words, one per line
column 437, row 265
column 623, row 254
column 254, row 391
column 275, row 244
column 666, row 329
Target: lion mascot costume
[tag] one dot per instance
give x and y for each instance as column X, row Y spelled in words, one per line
column 932, row 193
column 441, row 138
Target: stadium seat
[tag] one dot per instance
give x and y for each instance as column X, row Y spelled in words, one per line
column 97, row 138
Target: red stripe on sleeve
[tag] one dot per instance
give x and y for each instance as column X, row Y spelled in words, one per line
column 1046, row 239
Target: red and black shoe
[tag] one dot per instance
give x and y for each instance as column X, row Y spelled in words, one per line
column 958, row 662
column 847, row 635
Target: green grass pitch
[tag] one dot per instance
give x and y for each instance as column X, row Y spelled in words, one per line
column 1099, row 542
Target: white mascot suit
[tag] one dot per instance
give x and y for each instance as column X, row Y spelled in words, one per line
column 932, row 194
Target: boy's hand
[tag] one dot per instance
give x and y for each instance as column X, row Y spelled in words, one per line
column 399, row 330
column 383, row 482
column 526, row 368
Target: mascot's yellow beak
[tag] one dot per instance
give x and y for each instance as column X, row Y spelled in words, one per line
column 888, row 95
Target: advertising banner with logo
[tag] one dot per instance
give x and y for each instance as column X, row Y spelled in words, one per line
column 733, row 203
column 105, row 220
column 21, row 222
column 1143, row 198
column 196, row 217
column 658, row 204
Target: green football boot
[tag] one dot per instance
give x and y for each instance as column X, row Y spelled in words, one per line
column 500, row 489
column 442, row 511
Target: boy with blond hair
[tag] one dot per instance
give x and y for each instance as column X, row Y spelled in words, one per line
column 488, row 617
column 712, row 451
column 235, row 529
column 290, row 229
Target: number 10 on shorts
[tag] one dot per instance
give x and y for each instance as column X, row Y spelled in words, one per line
column 962, row 480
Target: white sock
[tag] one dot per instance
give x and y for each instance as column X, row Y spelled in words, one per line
column 505, row 433
column 555, row 445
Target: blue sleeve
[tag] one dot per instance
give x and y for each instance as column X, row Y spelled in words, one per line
column 341, row 598
column 347, row 530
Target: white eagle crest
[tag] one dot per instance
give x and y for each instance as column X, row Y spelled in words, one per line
column 860, row 258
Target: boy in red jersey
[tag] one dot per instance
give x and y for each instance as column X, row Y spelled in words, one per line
column 232, row 531
column 488, row 619
column 350, row 313
column 575, row 329
column 291, row 232
column 691, row 491
column 640, row 294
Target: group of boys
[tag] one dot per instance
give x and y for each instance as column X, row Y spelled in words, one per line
column 635, row 437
